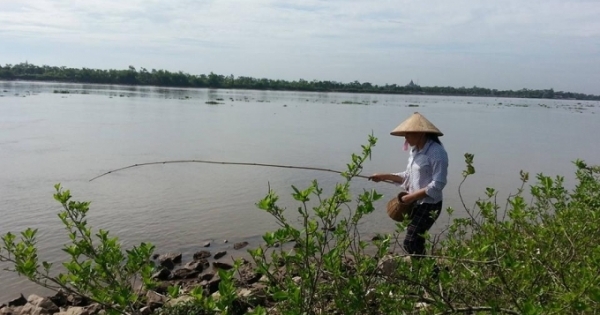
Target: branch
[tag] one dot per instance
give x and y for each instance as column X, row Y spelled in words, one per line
column 42, row 280
column 486, row 262
column 428, row 289
column 477, row 309
column 463, row 202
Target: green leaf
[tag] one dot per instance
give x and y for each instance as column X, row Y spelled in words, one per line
column 46, row 265
column 280, row 295
column 594, row 293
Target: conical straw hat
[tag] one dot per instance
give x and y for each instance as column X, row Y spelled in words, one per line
column 416, row 123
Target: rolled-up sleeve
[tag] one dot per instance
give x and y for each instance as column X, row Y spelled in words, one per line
column 439, row 169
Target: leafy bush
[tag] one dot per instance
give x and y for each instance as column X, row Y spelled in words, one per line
column 529, row 258
column 186, row 308
column 98, row 268
column 539, row 257
column 329, row 268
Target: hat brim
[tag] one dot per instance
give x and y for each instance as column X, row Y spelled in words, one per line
column 416, row 123
column 403, row 133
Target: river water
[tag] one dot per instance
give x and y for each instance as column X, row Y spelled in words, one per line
column 49, row 137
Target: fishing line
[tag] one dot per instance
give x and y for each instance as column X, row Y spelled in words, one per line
column 226, row 163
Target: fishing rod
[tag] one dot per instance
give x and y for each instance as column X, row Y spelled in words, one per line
column 226, row 163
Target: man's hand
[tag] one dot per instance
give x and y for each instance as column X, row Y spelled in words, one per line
column 377, row 177
column 407, row 198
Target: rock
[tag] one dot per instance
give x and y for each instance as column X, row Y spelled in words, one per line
column 185, row 273
column 93, row 308
column 75, row 310
column 225, row 241
column 240, row 245
column 207, row 276
column 221, row 265
column 27, row 309
column 20, row 301
column 23, row 310
column 259, row 287
column 162, row 288
column 220, row 254
column 155, row 300
column 162, row 274
column 75, row 300
column 145, row 310
column 280, row 262
column 207, row 244
column 202, row 255
column 263, row 279
column 213, row 285
column 181, row 299
column 43, row 303
column 155, row 256
column 60, row 299
column 11, row 310
column 421, row 305
column 174, row 257
column 197, row 265
column 244, row 293
column 255, row 295
column 388, row 264
column 248, row 274
column 167, row 264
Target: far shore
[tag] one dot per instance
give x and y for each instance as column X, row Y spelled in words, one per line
column 293, row 90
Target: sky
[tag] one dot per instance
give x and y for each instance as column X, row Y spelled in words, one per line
column 502, row 44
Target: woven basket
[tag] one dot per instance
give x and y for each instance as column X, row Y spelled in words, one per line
column 398, row 210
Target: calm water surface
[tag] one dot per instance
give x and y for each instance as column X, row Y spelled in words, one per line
column 48, row 138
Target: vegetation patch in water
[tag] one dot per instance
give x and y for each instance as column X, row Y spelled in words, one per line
column 352, row 102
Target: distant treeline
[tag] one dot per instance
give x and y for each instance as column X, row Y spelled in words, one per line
column 142, row 76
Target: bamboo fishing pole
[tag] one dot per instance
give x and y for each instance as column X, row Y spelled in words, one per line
column 226, row 163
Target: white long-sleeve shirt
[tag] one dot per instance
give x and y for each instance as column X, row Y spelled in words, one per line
column 426, row 168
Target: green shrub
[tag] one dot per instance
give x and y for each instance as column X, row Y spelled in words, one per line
column 98, row 269
column 539, row 257
column 186, row 308
column 528, row 258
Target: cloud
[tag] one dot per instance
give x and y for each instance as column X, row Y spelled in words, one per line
column 381, row 41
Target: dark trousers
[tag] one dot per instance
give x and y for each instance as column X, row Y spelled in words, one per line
column 423, row 218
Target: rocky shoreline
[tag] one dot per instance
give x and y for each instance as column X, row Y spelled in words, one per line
column 193, row 273
column 201, row 269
